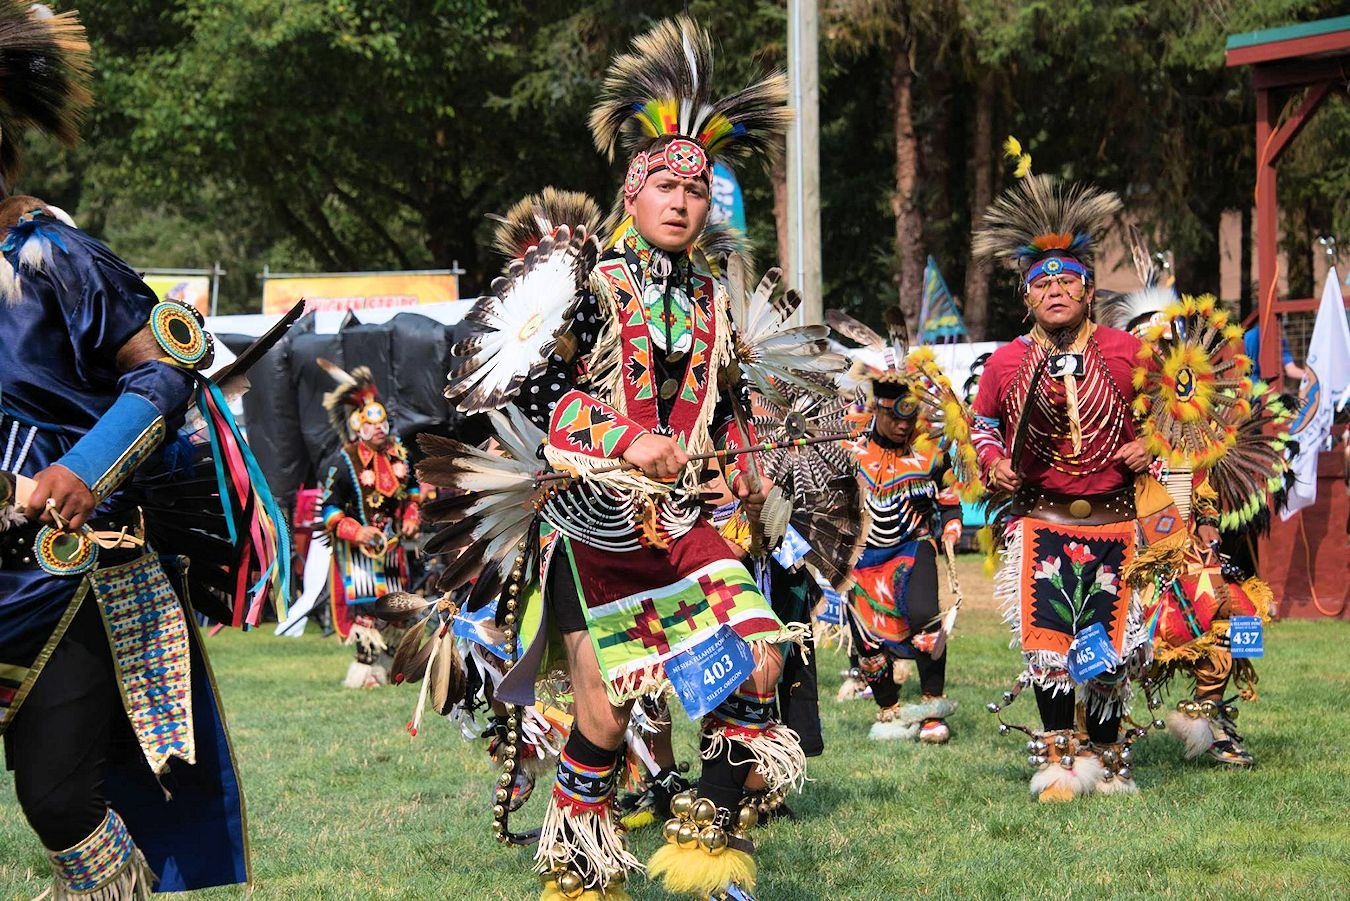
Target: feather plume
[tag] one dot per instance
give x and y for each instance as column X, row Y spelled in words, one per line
column 773, row 354
column 519, row 324
column 44, row 76
column 410, row 656
column 1040, row 214
column 482, row 534
column 1012, row 149
column 664, row 86
column 532, row 218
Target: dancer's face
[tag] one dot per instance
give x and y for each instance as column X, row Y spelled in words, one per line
column 1059, row 301
column 895, row 428
column 670, row 211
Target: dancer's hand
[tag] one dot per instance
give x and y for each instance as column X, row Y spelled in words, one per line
column 753, row 500
column 658, row 456
column 59, row 498
column 371, row 537
column 1134, row 455
column 1004, row 477
column 1209, row 541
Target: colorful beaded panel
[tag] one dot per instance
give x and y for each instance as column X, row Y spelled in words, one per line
column 582, row 788
column 97, row 860
column 150, row 647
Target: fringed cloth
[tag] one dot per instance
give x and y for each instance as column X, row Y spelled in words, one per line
column 579, row 831
column 1057, row 580
column 1190, row 636
column 745, row 720
column 878, row 600
column 644, row 607
column 106, row 866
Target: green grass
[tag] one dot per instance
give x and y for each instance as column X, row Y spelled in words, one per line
column 343, row 804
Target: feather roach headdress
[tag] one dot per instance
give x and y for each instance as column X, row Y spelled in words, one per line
column 663, row 88
column 1040, row 218
column 353, row 401
column 44, row 77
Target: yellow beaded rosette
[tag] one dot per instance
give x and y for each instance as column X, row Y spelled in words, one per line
column 1192, row 383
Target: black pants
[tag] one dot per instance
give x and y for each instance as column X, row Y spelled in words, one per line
column 1057, row 712
column 921, row 600
column 60, row 743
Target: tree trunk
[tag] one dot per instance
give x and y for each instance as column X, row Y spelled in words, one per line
column 981, row 195
column 908, row 221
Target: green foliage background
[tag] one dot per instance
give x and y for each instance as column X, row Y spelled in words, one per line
column 371, row 134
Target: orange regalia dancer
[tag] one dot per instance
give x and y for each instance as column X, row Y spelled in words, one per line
column 1055, row 431
column 370, row 506
column 908, row 470
column 1220, row 447
column 624, row 368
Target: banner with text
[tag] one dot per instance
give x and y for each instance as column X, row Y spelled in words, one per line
column 363, row 291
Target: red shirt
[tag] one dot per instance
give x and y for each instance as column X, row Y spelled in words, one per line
column 996, row 408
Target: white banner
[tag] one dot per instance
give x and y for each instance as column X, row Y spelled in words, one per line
column 1326, row 380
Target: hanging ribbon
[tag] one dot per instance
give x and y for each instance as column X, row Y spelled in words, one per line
column 242, row 487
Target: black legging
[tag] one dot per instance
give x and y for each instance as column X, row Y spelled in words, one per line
column 60, row 742
column 1057, row 712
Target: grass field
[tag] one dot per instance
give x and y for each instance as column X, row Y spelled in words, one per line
column 343, row 804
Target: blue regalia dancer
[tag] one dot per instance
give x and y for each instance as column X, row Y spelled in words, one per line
column 111, row 724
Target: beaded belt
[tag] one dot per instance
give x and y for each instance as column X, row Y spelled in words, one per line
column 1070, row 509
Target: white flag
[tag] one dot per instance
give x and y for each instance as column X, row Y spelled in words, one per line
column 1327, row 379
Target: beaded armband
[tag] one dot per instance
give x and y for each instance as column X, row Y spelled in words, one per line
column 180, row 332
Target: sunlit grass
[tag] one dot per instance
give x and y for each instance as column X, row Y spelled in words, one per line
column 343, row 804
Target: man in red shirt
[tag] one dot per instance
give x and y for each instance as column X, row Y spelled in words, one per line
column 1054, row 428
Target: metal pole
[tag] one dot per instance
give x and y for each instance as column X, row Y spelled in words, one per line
column 215, row 288
column 803, row 256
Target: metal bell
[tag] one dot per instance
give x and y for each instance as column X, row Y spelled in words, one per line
column 703, row 812
column 1061, row 741
column 1159, row 725
column 1008, row 697
column 681, row 804
column 571, row 884
column 1066, row 761
column 671, row 828
column 713, row 839
column 1004, row 728
column 1035, row 760
column 1126, row 755
column 1125, row 772
column 992, row 707
column 687, row 835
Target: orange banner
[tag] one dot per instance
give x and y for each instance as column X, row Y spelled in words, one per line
column 359, row 292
